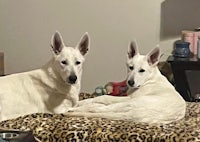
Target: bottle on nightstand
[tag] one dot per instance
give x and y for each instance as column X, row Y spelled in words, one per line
column 198, row 47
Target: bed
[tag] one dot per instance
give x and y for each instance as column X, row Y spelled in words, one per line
column 59, row 127
column 62, row 128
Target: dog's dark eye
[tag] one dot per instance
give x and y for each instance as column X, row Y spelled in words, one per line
column 141, row 70
column 64, row 62
column 131, row 67
column 78, row 62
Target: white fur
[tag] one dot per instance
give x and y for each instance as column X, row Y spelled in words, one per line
column 151, row 98
column 54, row 88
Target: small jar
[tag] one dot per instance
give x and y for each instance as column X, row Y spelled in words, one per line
column 182, row 49
column 188, row 36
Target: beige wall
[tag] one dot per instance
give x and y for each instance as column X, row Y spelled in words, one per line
column 26, row 27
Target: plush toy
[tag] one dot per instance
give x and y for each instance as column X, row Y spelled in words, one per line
column 113, row 88
column 100, row 90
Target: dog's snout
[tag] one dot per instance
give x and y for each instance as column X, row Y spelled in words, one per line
column 72, row 79
column 131, row 83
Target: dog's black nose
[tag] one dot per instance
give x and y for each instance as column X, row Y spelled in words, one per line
column 131, row 83
column 72, row 79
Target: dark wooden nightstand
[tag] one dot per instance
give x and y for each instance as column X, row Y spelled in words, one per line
column 186, row 76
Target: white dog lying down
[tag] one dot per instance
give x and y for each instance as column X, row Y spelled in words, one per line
column 54, row 88
column 151, row 98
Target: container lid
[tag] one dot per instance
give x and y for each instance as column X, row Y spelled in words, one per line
column 188, row 33
column 182, row 44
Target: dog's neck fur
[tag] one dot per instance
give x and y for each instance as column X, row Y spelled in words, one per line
column 51, row 70
column 152, row 81
column 56, row 80
column 49, row 77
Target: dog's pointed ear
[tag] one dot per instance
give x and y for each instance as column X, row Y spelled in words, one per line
column 84, row 44
column 57, row 43
column 132, row 49
column 153, row 56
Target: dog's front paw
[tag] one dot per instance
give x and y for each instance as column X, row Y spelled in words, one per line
column 72, row 109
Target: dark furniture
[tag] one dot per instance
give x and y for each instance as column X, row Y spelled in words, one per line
column 186, row 73
column 16, row 136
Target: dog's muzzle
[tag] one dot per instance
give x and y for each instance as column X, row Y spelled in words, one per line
column 72, row 79
column 131, row 83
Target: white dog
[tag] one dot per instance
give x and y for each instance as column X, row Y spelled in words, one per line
column 54, row 88
column 151, row 98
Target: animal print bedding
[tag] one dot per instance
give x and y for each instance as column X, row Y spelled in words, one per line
column 62, row 128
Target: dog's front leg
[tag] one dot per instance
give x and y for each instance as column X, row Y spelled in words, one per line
column 105, row 99
column 92, row 107
column 64, row 106
column 99, row 107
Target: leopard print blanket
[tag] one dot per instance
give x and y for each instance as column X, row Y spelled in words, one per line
column 63, row 128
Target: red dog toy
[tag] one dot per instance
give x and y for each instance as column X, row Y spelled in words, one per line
column 117, row 88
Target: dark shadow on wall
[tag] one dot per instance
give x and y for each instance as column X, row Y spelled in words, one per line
column 178, row 15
